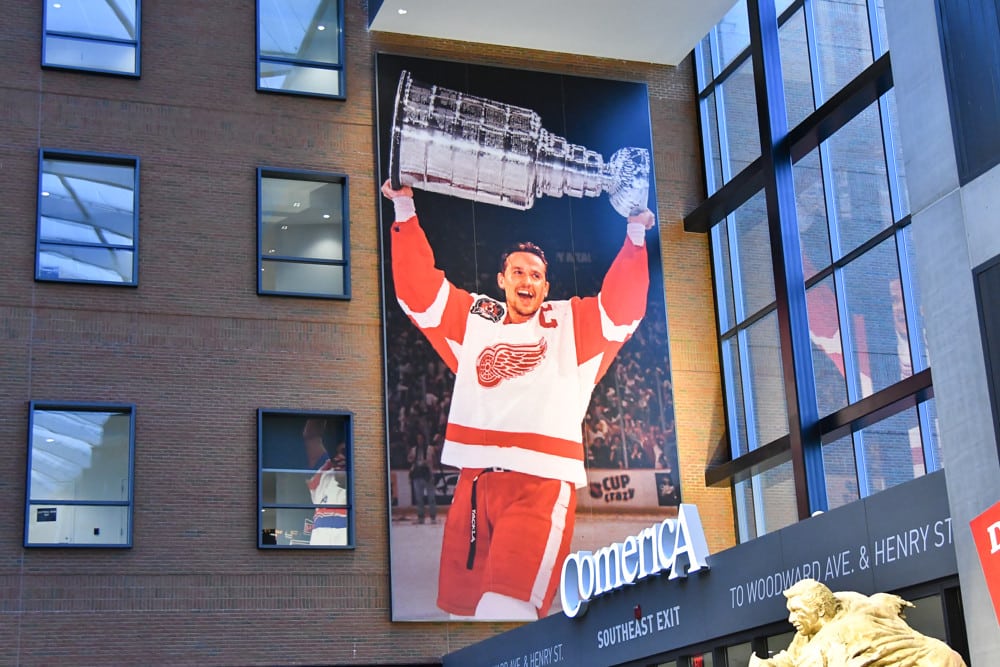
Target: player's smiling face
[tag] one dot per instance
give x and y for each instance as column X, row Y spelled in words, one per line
column 524, row 285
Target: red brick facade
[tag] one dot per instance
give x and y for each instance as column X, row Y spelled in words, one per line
column 198, row 351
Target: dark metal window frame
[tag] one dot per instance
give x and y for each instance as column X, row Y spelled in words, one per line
column 339, row 67
column 93, row 158
column 129, row 408
column 991, row 346
column 99, row 40
column 262, row 257
column 772, row 173
column 348, row 416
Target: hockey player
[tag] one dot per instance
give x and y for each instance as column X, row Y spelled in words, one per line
column 524, row 372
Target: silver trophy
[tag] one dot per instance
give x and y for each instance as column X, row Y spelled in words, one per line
column 456, row 144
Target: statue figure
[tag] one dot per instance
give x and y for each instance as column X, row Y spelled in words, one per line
column 849, row 629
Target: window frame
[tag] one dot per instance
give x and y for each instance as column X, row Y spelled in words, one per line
column 262, row 255
column 91, row 158
column 127, row 408
column 350, row 507
column 136, row 43
column 340, row 68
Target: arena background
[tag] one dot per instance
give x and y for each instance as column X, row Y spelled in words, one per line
column 629, row 432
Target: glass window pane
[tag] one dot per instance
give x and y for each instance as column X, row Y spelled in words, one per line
column 827, row 347
column 305, row 479
column 703, row 62
column 880, row 352
column 930, row 435
column 90, row 54
column 110, row 19
column 766, row 380
column 80, row 455
column 740, row 110
column 91, row 194
column 745, row 511
column 55, row 524
column 810, row 209
column 893, row 451
column 777, row 643
column 843, row 42
column 710, row 123
column 777, row 487
column 304, row 30
column 737, row 406
column 303, row 220
column 918, row 333
column 840, row 468
column 301, row 278
column 860, row 184
column 897, row 145
column 738, row 655
column 66, row 262
column 299, row 78
column 753, row 246
column 733, row 33
column 795, row 69
column 926, row 616
column 723, row 276
column 883, row 36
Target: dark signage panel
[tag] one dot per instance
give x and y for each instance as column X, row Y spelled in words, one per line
column 892, row 540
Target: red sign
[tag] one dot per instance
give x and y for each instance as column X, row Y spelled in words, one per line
column 986, row 532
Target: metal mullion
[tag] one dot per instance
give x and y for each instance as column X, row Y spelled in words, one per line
column 861, row 470
column 793, row 324
column 706, row 143
column 889, row 150
column 750, row 419
column 910, row 308
column 318, row 64
column 876, row 40
column 295, row 259
column 719, row 269
column 91, row 38
column 812, row 49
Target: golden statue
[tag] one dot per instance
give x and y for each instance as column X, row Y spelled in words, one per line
column 849, row 629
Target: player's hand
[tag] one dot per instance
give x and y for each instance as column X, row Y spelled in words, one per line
column 389, row 193
column 644, row 217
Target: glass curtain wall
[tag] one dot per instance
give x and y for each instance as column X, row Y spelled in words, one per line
column 848, row 227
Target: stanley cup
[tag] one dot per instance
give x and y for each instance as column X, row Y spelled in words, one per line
column 465, row 146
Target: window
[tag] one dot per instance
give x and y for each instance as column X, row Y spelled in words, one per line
column 300, row 47
column 93, row 35
column 302, row 234
column 839, row 337
column 87, row 218
column 305, row 491
column 79, row 476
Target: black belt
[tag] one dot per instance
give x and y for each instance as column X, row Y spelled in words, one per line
column 472, row 516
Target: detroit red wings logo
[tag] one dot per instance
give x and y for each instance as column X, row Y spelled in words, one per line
column 504, row 361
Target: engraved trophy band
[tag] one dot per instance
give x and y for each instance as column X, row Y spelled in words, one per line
column 465, row 146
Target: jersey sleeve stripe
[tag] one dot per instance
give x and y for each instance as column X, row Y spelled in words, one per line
column 618, row 333
column 532, row 441
column 431, row 317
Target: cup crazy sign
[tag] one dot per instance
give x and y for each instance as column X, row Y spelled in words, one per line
column 662, row 547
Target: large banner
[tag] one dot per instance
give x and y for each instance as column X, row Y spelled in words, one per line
column 528, row 398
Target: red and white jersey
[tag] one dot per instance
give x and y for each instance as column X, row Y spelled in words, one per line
column 521, row 390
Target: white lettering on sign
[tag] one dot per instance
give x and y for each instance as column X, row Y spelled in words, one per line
column 994, row 532
column 619, row 633
column 586, row 574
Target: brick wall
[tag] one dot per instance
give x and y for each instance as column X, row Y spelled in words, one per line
column 198, row 351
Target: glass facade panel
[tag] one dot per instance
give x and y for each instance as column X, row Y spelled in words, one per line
column 860, row 184
column 305, row 483
column 739, row 105
column 899, row 166
column 79, row 476
column 302, row 278
column 766, row 381
column 827, row 347
column 810, row 209
column 85, row 264
column 893, row 451
column 795, row 71
column 840, row 468
column 710, row 121
column 843, row 42
column 930, row 433
column 299, row 78
column 879, row 346
column 738, row 655
column 723, row 277
column 737, row 404
column 753, row 247
column 926, row 616
column 777, row 487
column 733, row 34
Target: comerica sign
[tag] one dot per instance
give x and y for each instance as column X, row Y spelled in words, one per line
column 661, row 547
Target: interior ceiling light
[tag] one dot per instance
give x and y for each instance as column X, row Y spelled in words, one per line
column 321, row 27
column 326, row 216
column 45, row 193
column 296, row 204
column 56, row 5
column 401, row 11
column 284, row 227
